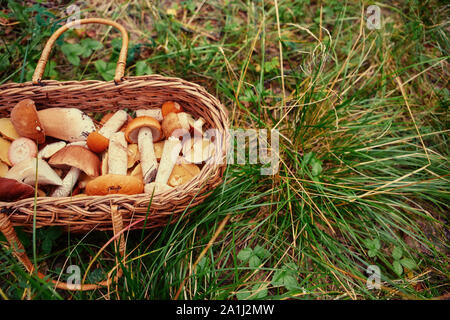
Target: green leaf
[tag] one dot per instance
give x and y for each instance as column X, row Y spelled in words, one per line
column 259, row 291
column 307, row 157
column 408, row 263
column 261, row 252
column 243, row 294
column 73, row 59
column 290, row 282
column 106, row 70
column 47, row 245
column 278, row 278
column 245, row 254
column 116, row 43
column 100, row 65
column 397, row 253
column 254, row 261
column 72, row 49
column 96, row 275
column 316, row 167
column 291, row 268
column 376, row 244
column 142, row 68
column 397, row 267
column 89, row 45
column 372, row 252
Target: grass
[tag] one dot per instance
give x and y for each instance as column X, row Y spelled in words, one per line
column 363, row 177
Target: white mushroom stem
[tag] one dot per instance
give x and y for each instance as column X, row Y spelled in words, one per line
column 117, row 154
column 68, row 183
column 169, row 157
column 78, row 143
column 198, row 127
column 149, row 163
column 113, row 124
column 51, row 149
column 155, row 113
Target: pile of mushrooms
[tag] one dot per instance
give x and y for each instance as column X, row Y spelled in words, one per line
column 64, row 152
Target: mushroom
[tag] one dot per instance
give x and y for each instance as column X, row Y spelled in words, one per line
column 154, row 113
column 132, row 155
column 26, row 121
column 197, row 126
column 50, row 149
column 3, row 169
column 78, row 159
column 183, row 173
column 176, row 124
column 136, row 172
column 7, row 129
column 78, row 143
column 98, row 141
column 69, row 124
column 170, row 107
column 21, row 149
column 144, row 131
column 4, row 147
column 159, row 146
column 202, row 150
column 170, row 153
column 169, row 156
column 13, row 190
column 117, row 154
column 116, row 181
column 104, row 165
column 25, row 172
column 114, row 184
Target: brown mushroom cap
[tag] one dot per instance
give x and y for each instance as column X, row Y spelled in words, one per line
column 25, row 120
column 13, row 190
column 78, row 157
column 182, row 173
column 173, row 121
column 7, row 129
column 132, row 130
column 114, row 184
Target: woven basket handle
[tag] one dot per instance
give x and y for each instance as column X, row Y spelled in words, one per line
column 19, row 251
column 121, row 62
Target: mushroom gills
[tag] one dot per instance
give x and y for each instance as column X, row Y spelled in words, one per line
column 25, row 172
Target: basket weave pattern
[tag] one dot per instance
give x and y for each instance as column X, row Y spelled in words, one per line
column 85, row 212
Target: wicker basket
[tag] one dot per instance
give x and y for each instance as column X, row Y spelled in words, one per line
column 112, row 212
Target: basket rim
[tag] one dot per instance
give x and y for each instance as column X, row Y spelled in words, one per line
column 11, row 89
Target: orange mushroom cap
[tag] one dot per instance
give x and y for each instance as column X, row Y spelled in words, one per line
column 114, row 184
column 169, row 107
column 97, row 142
column 132, row 130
